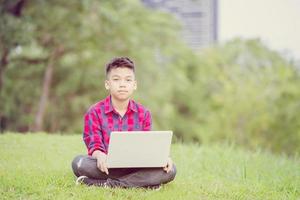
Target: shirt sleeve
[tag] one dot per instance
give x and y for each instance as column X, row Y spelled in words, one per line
column 92, row 134
column 147, row 124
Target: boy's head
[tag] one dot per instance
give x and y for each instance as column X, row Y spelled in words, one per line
column 120, row 78
column 122, row 62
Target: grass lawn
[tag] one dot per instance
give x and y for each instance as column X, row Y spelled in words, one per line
column 38, row 166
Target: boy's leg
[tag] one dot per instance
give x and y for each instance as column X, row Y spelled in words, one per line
column 143, row 177
column 84, row 165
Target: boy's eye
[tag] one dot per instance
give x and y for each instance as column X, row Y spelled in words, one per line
column 128, row 80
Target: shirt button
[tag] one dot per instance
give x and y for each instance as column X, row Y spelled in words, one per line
column 120, row 124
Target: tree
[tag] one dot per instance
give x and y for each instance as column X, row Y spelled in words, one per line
column 66, row 54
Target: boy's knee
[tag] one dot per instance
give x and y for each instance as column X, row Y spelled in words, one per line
column 173, row 173
column 77, row 165
column 170, row 176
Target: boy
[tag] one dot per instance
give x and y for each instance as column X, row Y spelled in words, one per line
column 117, row 112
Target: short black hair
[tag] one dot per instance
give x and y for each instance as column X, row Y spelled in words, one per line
column 119, row 62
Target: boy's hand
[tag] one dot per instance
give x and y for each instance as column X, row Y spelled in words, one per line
column 101, row 161
column 169, row 165
column 101, row 164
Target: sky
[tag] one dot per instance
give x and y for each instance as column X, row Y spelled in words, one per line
column 275, row 22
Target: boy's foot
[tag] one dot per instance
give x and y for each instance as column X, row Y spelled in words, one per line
column 80, row 180
column 91, row 182
column 153, row 187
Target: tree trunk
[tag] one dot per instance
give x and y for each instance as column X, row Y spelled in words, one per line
column 39, row 118
column 3, row 64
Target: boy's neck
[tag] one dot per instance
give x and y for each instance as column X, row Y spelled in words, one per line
column 119, row 105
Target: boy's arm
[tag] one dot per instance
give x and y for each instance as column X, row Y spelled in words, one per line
column 147, row 124
column 92, row 134
column 92, row 137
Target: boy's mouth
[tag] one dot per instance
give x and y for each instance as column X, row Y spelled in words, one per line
column 122, row 91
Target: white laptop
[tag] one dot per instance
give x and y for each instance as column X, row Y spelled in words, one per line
column 134, row 149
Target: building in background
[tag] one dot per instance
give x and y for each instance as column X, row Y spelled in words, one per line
column 198, row 17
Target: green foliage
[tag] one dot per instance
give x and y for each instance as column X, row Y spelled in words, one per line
column 244, row 93
column 240, row 91
column 38, row 166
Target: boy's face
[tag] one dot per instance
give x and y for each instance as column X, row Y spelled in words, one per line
column 121, row 83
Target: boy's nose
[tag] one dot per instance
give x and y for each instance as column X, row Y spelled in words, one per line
column 122, row 84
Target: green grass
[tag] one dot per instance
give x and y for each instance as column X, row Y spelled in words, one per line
column 37, row 166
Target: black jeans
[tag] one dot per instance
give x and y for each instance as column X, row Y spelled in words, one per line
column 84, row 165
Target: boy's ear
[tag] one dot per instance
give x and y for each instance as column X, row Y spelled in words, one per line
column 135, row 85
column 106, row 85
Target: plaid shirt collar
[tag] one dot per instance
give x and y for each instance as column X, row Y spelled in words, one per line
column 109, row 107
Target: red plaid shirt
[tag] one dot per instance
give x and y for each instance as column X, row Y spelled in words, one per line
column 101, row 119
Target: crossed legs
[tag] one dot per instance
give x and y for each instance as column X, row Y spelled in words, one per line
column 84, row 165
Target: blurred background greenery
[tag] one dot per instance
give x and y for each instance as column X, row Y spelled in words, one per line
column 52, row 69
